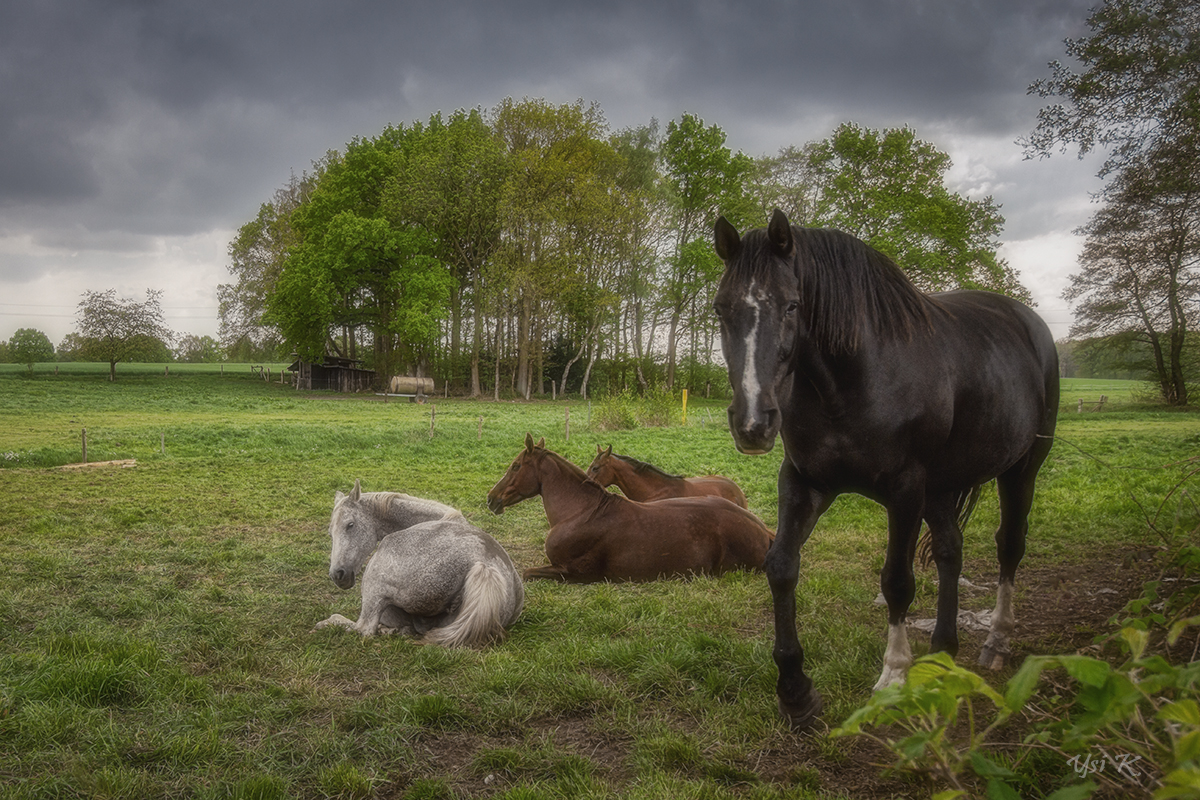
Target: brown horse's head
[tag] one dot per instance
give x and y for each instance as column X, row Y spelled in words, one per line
column 521, row 481
column 602, row 469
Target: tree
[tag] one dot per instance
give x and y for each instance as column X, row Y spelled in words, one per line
column 73, row 347
column 356, row 270
column 198, row 350
column 558, row 165
column 1138, row 87
column 29, row 346
column 888, row 189
column 704, row 178
column 256, row 258
column 120, row 328
column 1136, row 95
column 450, row 184
column 1140, row 276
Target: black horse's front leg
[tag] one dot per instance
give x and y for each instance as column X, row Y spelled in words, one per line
column 799, row 508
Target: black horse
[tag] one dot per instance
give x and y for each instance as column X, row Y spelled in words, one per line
column 912, row 400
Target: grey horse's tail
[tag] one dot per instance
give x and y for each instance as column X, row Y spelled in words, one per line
column 481, row 617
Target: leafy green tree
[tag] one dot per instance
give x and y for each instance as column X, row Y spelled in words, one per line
column 198, row 350
column 29, row 346
column 74, row 347
column 450, row 185
column 355, row 270
column 639, row 240
column 1136, row 96
column 256, row 258
column 785, row 181
column 119, row 328
column 704, row 178
column 888, row 189
column 557, row 158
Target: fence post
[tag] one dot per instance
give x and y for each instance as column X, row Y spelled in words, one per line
column 432, row 418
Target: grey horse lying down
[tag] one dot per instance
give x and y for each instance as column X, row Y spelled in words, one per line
column 433, row 575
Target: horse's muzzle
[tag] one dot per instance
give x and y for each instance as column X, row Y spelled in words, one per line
column 495, row 505
column 341, row 578
column 754, row 436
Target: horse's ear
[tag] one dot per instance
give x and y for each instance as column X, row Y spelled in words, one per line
column 609, row 451
column 528, row 441
column 337, row 496
column 542, row 443
column 356, row 492
column 726, row 240
column 779, row 231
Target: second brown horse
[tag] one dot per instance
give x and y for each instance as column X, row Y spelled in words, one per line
column 596, row 535
column 644, row 482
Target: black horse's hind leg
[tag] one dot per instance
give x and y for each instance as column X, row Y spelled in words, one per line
column 897, row 582
column 799, row 508
column 941, row 512
column 1016, row 499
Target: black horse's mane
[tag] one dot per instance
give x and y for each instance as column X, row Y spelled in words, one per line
column 848, row 288
column 642, row 466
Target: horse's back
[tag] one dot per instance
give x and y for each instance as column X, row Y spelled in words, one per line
column 720, row 535
column 992, row 377
column 1005, row 352
column 434, row 559
column 719, row 486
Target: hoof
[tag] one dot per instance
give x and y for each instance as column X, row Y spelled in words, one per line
column 994, row 658
column 802, row 716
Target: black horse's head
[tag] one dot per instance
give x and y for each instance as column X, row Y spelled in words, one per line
column 758, row 302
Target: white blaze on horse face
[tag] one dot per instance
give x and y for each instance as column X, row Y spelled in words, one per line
column 750, row 384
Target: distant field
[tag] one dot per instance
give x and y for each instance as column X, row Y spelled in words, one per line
column 1119, row 392
column 133, row 369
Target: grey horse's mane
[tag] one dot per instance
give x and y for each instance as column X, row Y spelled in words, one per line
column 382, row 503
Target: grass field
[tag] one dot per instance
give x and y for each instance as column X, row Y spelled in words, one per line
column 156, row 620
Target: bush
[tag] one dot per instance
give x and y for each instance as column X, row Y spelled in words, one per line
column 626, row 411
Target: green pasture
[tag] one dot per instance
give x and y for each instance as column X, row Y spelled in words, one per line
column 156, row 619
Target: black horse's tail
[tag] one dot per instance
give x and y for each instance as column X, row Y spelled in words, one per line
column 966, row 506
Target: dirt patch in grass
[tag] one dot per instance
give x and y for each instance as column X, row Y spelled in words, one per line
column 1061, row 609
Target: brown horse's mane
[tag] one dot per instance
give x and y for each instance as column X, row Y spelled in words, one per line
column 642, row 466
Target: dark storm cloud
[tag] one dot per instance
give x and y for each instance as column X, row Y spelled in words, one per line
column 176, row 117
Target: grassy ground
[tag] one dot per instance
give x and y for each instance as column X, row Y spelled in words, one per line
column 156, row 621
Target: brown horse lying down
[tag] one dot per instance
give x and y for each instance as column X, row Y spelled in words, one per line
column 644, row 482
column 596, row 535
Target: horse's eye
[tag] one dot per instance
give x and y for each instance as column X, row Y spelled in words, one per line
column 790, row 311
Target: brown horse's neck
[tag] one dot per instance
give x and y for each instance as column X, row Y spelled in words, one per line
column 638, row 483
column 567, row 491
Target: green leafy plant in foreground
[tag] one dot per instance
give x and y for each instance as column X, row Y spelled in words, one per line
column 1132, row 728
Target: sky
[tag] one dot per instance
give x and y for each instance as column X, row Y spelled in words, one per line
column 137, row 136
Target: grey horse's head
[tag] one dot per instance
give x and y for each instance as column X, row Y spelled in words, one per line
column 352, row 530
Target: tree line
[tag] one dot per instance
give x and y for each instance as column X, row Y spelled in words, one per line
column 527, row 249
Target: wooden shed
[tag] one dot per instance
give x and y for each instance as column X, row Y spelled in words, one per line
column 336, row 374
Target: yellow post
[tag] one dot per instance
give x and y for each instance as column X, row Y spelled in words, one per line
column 685, row 406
